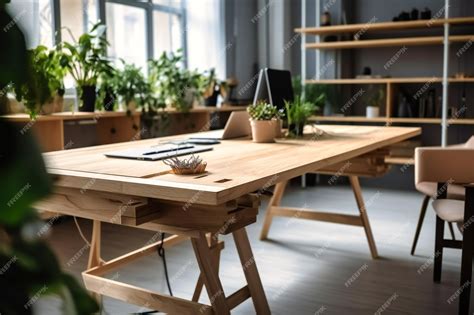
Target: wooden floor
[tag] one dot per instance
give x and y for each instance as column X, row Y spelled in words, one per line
column 306, row 267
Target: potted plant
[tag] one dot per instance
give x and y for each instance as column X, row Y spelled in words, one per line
column 297, row 113
column 374, row 102
column 86, row 60
column 131, row 86
column 44, row 90
column 213, row 88
column 265, row 120
column 107, row 96
column 178, row 87
column 314, row 93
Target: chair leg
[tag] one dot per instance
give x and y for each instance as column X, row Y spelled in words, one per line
column 424, row 206
column 438, row 254
column 467, row 251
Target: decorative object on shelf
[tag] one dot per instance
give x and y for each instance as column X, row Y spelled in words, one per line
column 426, row 14
column 326, row 21
column 232, row 84
column 186, row 166
column 297, row 113
column 403, row 107
column 45, row 86
column 86, row 60
column 414, row 14
column 265, row 121
column 376, row 99
column 367, row 71
column 214, row 87
column 177, row 87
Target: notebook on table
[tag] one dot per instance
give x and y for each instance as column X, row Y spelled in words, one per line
column 159, row 152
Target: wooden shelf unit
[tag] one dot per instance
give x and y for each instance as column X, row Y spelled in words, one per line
column 389, row 42
column 383, row 26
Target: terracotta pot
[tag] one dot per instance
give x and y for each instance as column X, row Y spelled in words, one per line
column 278, row 128
column 58, row 103
column 264, row 131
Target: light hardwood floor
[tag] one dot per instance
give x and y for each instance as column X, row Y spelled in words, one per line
column 306, row 267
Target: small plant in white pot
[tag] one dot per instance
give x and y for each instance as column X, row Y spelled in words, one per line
column 265, row 122
column 375, row 100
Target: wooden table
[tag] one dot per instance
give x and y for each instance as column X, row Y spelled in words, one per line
column 224, row 200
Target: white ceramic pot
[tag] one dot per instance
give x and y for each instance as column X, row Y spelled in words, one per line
column 372, row 111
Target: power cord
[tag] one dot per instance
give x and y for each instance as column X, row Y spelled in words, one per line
column 161, row 252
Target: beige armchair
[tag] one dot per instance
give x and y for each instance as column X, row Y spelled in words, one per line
column 447, row 167
column 429, row 189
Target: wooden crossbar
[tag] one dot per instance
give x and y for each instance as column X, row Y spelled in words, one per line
column 299, row 213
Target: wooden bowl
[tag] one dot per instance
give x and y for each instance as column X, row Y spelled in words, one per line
column 201, row 168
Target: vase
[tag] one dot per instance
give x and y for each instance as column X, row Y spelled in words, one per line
column 88, row 98
column 47, row 108
column 372, row 111
column 263, row 131
column 58, row 103
column 109, row 101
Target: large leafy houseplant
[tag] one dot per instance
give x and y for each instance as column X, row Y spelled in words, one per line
column 29, row 267
column 177, row 86
column 45, row 82
column 86, row 60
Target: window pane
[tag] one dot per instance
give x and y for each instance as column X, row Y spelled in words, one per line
column 167, row 32
column 78, row 16
column 35, row 18
column 169, row 3
column 126, row 33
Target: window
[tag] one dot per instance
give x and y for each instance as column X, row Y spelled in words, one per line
column 77, row 16
column 35, row 18
column 167, row 32
column 126, row 33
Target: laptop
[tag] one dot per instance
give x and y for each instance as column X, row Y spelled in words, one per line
column 237, row 126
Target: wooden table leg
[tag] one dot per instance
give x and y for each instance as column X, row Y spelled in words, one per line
column 210, row 275
column 212, row 241
column 275, row 201
column 354, row 180
column 251, row 273
column 94, row 253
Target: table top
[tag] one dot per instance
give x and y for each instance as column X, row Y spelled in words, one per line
column 234, row 167
column 106, row 114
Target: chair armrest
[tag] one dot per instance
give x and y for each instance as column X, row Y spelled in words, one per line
column 441, row 165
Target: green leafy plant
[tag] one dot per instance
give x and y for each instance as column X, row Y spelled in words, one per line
column 297, row 113
column 107, row 92
column 29, row 267
column 264, row 111
column 313, row 93
column 85, row 59
column 132, row 85
column 45, row 79
column 376, row 98
column 177, row 86
column 212, row 85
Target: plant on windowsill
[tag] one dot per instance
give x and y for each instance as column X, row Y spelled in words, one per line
column 132, row 86
column 213, row 87
column 178, row 87
column 107, row 92
column 45, row 90
column 297, row 113
column 265, row 120
column 86, row 60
